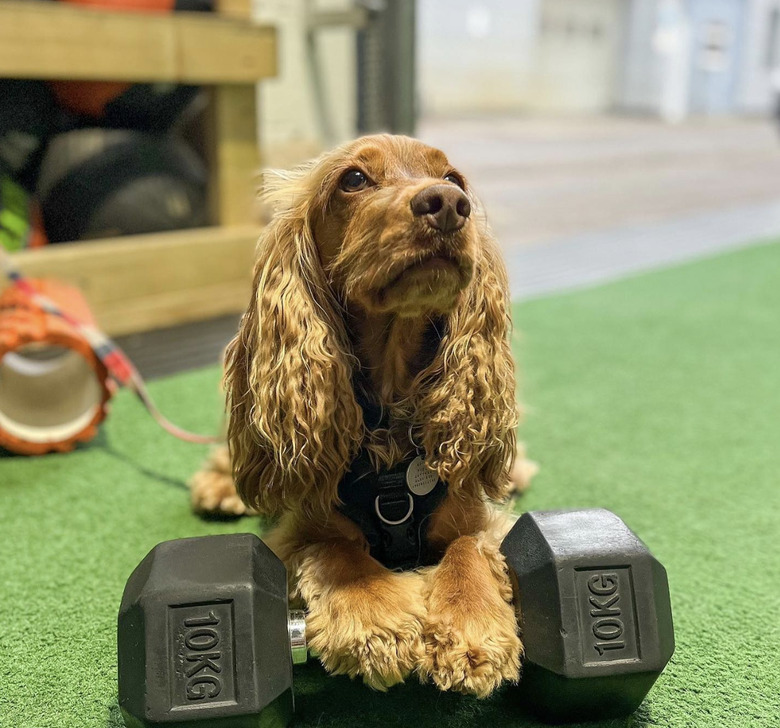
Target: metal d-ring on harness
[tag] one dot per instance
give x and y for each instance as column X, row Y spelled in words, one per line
column 393, row 507
column 378, row 509
column 423, row 480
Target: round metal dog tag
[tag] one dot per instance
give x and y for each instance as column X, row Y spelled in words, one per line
column 420, row 478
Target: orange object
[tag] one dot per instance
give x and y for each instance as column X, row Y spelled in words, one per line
column 37, row 237
column 54, row 391
column 90, row 97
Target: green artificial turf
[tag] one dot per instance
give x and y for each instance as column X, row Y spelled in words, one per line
column 657, row 397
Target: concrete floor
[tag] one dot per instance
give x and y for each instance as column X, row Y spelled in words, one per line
column 546, row 179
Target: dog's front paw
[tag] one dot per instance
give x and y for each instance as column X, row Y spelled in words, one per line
column 471, row 637
column 212, row 489
column 371, row 628
column 471, row 655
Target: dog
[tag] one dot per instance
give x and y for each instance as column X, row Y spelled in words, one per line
column 372, row 412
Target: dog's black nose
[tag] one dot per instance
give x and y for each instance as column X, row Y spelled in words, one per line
column 445, row 207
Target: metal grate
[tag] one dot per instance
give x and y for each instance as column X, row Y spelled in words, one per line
column 179, row 348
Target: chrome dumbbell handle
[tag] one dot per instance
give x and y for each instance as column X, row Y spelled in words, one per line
column 296, row 627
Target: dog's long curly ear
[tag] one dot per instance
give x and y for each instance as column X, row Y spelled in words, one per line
column 469, row 413
column 294, row 424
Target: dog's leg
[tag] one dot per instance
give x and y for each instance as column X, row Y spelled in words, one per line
column 212, row 489
column 471, row 637
column 362, row 619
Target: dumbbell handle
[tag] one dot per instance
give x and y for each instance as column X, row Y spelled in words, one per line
column 296, row 627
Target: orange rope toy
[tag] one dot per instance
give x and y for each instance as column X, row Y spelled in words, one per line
column 54, row 390
column 58, row 370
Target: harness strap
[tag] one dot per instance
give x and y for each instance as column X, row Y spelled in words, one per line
column 392, row 507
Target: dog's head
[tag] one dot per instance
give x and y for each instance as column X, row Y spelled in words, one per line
column 384, row 225
column 394, row 233
column 389, row 219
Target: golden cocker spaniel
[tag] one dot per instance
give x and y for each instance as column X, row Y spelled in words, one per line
column 372, row 410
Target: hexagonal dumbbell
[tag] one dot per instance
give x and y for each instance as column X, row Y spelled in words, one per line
column 205, row 638
column 595, row 614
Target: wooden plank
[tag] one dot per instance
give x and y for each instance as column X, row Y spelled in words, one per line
column 149, row 281
column 235, row 8
column 234, row 156
column 176, row 307
column 58, row 41
column 232, row 141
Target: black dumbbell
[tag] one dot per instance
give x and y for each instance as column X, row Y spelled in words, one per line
column 205, row 638
column 595, row 614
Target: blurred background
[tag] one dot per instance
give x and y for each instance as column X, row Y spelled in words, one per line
column 648, row 121
column 603, row 136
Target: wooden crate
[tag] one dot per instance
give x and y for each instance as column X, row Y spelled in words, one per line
column 146, row 282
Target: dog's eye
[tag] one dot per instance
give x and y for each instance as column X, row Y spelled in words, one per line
column 353, row 180
column 456, row 179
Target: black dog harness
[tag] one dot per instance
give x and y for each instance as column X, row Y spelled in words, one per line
column 393, row 509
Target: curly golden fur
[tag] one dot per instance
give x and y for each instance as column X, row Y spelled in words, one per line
column 373, row 246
